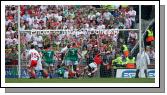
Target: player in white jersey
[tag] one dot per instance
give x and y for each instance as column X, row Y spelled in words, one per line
column 34, row 56
column 39, row 69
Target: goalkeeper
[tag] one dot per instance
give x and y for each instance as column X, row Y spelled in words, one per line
column 92, row 67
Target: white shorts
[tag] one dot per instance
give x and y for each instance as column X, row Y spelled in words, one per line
column 39, row 65
column 69, row 62
column 93, row 65
column 75, row 63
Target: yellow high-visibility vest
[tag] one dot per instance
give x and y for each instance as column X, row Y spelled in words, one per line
column 125, row 48
column 150, row 33
column 118, row 60
column 130, row 60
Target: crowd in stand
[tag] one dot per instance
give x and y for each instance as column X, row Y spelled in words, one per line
column 52, row 17
column 11, row 34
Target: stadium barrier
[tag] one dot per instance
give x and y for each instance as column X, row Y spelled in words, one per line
column 130, row 73
column 11, row 72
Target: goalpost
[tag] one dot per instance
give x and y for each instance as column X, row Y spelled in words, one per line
column 67, row 31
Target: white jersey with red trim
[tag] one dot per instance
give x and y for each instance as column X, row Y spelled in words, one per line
column 39, row 64
column 34, row 54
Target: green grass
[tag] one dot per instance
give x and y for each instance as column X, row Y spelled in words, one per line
column 87, row 80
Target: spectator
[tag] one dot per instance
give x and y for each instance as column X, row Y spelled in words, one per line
column 107, row 15
column 70, row 17
column 101, row 25
column 91, row 15
column 26, row 16
column 151, row 54
column 132, row 39
column 35, row 25
column 22, row 27
column 132, row 14
column 128, row 21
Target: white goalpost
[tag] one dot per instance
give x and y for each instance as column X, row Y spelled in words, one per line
column 19, row 54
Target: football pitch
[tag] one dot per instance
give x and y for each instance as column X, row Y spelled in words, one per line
column 81, row 80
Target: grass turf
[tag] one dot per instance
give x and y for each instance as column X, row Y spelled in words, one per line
column 87, row 80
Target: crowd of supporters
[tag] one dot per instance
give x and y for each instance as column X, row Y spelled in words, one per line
column 11, row 34
column 42, row 17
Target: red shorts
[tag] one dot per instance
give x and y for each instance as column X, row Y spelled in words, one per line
column 33, row 63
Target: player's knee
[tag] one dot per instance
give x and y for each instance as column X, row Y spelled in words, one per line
column 96, row 69
column 45, row 73
column 86, row 67
column 29, row 70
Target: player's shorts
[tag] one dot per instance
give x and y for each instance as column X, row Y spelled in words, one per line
column 33, row 63
column 69, row 62
column 39, row 65
column 83, row 62
column 50, row 64
column 47, row 64
column 93, row 65
column 75, row 63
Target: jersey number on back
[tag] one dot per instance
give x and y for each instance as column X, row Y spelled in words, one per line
column 34, row 55
column 73, row 52
column 49, row 54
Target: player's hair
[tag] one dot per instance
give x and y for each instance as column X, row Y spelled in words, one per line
column 68, row 46
column 73, row 44
column 48, row 46
column 58, row 66
column 45, row 47
column 62, row 64
column 32, row 46
column 96, row 51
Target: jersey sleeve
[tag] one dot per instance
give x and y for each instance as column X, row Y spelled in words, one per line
column 29, row 53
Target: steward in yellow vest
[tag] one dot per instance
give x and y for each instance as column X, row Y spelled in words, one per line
column 118, row 61
column 130, row 62
column 125, row 51
column 150, row 36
